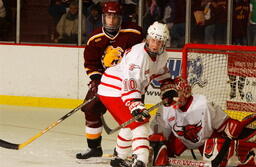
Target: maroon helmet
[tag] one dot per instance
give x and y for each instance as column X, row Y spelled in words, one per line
column 112, row 9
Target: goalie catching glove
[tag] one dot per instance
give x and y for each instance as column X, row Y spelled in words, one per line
column 139, row 111
column 234, row 127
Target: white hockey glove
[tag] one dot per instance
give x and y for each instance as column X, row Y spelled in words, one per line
column 139, row 111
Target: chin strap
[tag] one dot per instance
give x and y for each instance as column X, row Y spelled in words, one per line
column 153, row 54
column 111, row 33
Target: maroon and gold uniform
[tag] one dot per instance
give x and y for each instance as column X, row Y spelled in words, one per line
column 94, row 52
column 103, row 51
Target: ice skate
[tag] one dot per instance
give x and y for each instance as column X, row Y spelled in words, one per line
column 139, row 163
column 89, row 153
column 118, row 162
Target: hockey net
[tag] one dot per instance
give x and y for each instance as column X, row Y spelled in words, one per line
column 226, row 74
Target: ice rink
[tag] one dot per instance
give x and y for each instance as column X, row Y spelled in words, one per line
column 56, row 148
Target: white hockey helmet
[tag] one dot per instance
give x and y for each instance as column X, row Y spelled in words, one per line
column 160, row 32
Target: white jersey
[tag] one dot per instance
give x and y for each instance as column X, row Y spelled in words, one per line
column 192, row 127
column 133, row 74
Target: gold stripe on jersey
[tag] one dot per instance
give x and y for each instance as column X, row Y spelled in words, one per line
column 87, row 70
column 103, row 34
column 95, row 36
column 130, row 30
column 94, row 72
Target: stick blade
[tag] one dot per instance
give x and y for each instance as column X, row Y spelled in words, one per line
column 8, row 145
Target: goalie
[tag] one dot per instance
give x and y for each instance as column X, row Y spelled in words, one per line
column 187, row 121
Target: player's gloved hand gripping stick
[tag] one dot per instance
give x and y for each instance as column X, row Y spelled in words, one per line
column 139, row 111
column 111, row 131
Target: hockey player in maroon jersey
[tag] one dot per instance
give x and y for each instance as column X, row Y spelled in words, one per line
column 122, row 88
column 187, row 121
column 104, row 49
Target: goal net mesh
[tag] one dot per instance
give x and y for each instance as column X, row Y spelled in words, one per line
column 225, row 74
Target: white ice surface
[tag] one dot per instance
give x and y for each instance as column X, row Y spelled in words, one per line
column 56, row 148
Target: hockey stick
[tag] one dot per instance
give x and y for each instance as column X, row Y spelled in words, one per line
column 110, row 131
column 188, row 162
column 172, row 162
column 9, row 145
column 225, row 147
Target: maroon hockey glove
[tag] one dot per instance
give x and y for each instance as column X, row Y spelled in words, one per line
column 93, row 85
column 139, row 111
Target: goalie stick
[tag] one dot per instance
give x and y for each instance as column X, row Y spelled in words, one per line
column 110, row 131
column 173, row 162
column 225, row 147
column 14, row 146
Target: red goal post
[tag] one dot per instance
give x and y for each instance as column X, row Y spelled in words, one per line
column 226, row 74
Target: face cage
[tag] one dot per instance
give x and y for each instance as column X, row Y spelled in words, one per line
column 180, row 101
column 176, row 99
column 111, row 29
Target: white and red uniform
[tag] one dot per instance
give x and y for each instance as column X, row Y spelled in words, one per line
column 128, row 80
column 192, row 127
column 125, row 82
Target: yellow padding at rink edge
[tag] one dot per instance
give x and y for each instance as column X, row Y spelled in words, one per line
column 39, row 101
column 45, row 102
column 239, row 115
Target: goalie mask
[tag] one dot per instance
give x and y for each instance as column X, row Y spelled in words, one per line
column 158, row 35
column 111, row 17
column 175, row 92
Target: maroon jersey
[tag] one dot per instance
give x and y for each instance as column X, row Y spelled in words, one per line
column 128, row 35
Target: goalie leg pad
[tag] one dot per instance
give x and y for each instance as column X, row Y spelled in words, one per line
column 175, row 146
column 241, row 152
column 160, row 153
column 234, row 127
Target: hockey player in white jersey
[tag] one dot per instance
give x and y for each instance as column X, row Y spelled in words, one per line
column 186, row 121
column 122, row 88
